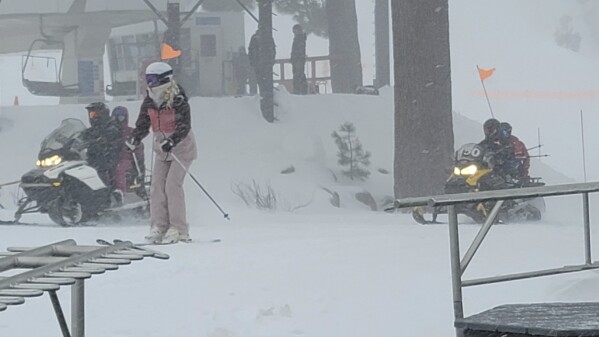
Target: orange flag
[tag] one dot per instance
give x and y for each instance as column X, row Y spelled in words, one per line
column 168, row 52
column 485, row 73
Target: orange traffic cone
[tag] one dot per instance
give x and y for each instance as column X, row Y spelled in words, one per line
column 16, row 101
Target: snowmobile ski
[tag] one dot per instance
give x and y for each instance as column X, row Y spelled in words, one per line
column 418, row 215
column 18, row 223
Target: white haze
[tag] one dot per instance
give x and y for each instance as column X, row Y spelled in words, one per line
column 325, row 271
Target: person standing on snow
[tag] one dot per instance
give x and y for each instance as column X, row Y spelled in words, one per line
column 167, row 111
column 254, row 59
column 241, row 71
column 126, row 163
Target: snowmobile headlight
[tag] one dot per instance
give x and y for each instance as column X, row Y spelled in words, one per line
column 469, row 170
column 50, row 161
column 456, row 171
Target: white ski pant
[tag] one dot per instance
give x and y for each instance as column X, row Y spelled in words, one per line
column 167, row 197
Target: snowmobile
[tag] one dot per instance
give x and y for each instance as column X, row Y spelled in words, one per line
column 474, row 171
column 70, row 191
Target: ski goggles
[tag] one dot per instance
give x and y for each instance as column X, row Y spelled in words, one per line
column 155, row 80
column 120, row 118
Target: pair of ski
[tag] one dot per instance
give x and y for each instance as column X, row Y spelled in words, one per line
column 143, row 246
column 156, row 254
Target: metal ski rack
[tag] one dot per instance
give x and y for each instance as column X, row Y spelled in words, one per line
column 60, row 264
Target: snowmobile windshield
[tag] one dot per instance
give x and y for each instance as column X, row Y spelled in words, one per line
column 68, row 130
column 469, row 153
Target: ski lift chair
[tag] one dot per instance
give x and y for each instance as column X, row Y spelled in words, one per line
column 47, row 88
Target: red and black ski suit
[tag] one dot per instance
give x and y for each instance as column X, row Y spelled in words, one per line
column 126, row 165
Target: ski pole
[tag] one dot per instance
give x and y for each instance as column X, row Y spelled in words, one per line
column 141, row 177
column 136, row 164
column 200, row 186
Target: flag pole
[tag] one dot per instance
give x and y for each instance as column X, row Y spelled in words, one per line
column 485, row 90
column 584, row 159
column 539, row 139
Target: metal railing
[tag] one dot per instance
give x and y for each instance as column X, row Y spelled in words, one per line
column 459, row 266
column 60, row 264
column 312, row 77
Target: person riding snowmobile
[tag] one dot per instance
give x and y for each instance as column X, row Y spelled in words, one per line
column 491, row 131
column 126, row 166
column 103, row 140
column 517, row 159
column 510, row 157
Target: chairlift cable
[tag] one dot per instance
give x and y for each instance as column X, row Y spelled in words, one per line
column 193, row 10
column 247, row 10
column 157, row 12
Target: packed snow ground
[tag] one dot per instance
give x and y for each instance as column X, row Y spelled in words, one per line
column 319, row 270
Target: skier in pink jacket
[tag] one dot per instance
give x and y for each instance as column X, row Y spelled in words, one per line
column 166, row 110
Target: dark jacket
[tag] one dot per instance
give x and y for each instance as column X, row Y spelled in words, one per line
column 241, row 67
column 510, row 157
column 104, row 144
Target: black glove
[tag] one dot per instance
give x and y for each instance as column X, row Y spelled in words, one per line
column 167, row 145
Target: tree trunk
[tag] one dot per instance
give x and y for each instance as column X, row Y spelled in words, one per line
column 423, row 114
column 266, row 60
column 344, row 47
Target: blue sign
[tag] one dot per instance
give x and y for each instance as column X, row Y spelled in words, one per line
column 85, row 70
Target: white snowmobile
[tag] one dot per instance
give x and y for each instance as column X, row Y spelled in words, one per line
column 69, row 190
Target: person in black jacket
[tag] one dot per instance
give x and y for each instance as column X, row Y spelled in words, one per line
column 298, row 61
column 103, row 142
column 241, row 71
column 491, row 131
column 254, row 58
column 166, row 110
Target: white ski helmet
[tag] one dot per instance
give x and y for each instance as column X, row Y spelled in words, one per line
column 158, row 73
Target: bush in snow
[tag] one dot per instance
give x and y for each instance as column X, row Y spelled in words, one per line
column 254, row 195
column 351, row 154
column 263, row 197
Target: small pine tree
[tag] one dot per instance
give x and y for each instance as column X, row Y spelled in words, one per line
column 351, row 153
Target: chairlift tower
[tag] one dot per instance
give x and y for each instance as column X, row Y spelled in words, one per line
column 172, row 35
column 173, row 22
column 381, row 41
